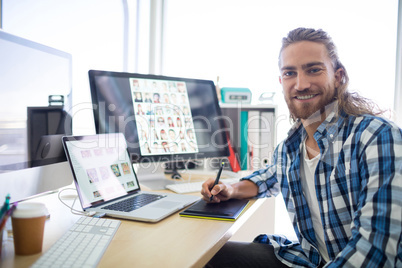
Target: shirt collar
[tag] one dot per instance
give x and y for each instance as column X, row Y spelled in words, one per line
column 329, row 128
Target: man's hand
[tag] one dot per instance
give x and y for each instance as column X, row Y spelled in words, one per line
column 221, row 191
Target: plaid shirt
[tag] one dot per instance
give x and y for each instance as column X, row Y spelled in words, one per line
column 358, row 182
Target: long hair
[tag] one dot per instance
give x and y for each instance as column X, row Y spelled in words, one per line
column 350, row 102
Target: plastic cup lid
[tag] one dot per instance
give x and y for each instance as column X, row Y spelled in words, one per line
column 29, row 210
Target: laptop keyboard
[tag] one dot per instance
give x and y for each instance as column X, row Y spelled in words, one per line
column 134, row 202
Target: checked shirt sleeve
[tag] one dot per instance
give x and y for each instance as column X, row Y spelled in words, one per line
column 266, row 179
column 377, row 219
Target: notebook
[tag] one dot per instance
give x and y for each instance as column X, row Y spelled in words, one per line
column 105, row 178
column 229, row 210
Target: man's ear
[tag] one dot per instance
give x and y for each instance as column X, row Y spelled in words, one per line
column 280, row 80
column 338, row 77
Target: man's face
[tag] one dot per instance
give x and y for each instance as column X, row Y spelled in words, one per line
column 307, row 77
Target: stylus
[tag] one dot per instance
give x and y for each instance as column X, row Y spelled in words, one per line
column 217, row 179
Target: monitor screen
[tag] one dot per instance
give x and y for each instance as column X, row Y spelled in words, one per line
column 30, row 74
column 163, row 118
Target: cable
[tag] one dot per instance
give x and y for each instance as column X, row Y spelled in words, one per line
column 72, row 210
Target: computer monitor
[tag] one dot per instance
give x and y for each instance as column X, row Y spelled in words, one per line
column 164, row 119
column 32, row 77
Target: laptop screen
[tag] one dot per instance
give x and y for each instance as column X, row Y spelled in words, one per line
column 101, row 167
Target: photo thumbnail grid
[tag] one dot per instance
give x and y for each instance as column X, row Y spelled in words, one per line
column 105, row 179
column 163, row 117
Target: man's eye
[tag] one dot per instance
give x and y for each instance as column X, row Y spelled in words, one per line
column 314, row 70
column 290, row 73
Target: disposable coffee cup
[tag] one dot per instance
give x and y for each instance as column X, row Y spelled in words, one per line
column 28, row 222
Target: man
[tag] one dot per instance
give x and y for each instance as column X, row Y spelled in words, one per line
column 339, row 171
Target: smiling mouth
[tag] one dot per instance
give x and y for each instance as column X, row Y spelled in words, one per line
column 306, row 97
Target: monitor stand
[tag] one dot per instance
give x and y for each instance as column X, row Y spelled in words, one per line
column 152, row 175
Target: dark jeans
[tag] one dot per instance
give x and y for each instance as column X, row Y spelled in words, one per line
column 244, row 254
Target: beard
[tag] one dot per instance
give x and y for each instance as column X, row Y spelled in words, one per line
column 309, row 110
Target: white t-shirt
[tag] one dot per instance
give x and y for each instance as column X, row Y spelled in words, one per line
column 307, row 170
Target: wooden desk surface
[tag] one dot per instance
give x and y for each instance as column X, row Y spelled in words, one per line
column 173, row 242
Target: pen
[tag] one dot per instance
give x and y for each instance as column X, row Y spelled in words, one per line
column 217, row 179
column 5, row 218
column 5, row 206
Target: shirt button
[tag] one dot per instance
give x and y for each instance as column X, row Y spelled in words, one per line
column 330, row 236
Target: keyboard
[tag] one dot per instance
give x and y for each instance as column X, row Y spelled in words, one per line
column 82, row 245
column 191, row 187
column 134, row 202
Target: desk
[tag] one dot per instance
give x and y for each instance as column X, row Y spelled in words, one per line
column 173, row 242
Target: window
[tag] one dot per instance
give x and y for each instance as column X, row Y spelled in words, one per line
column 239, row 40
column 94, row 32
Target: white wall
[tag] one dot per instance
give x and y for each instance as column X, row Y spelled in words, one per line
column 398, row 71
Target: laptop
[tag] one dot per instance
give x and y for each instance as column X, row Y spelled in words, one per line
column 107, row 183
